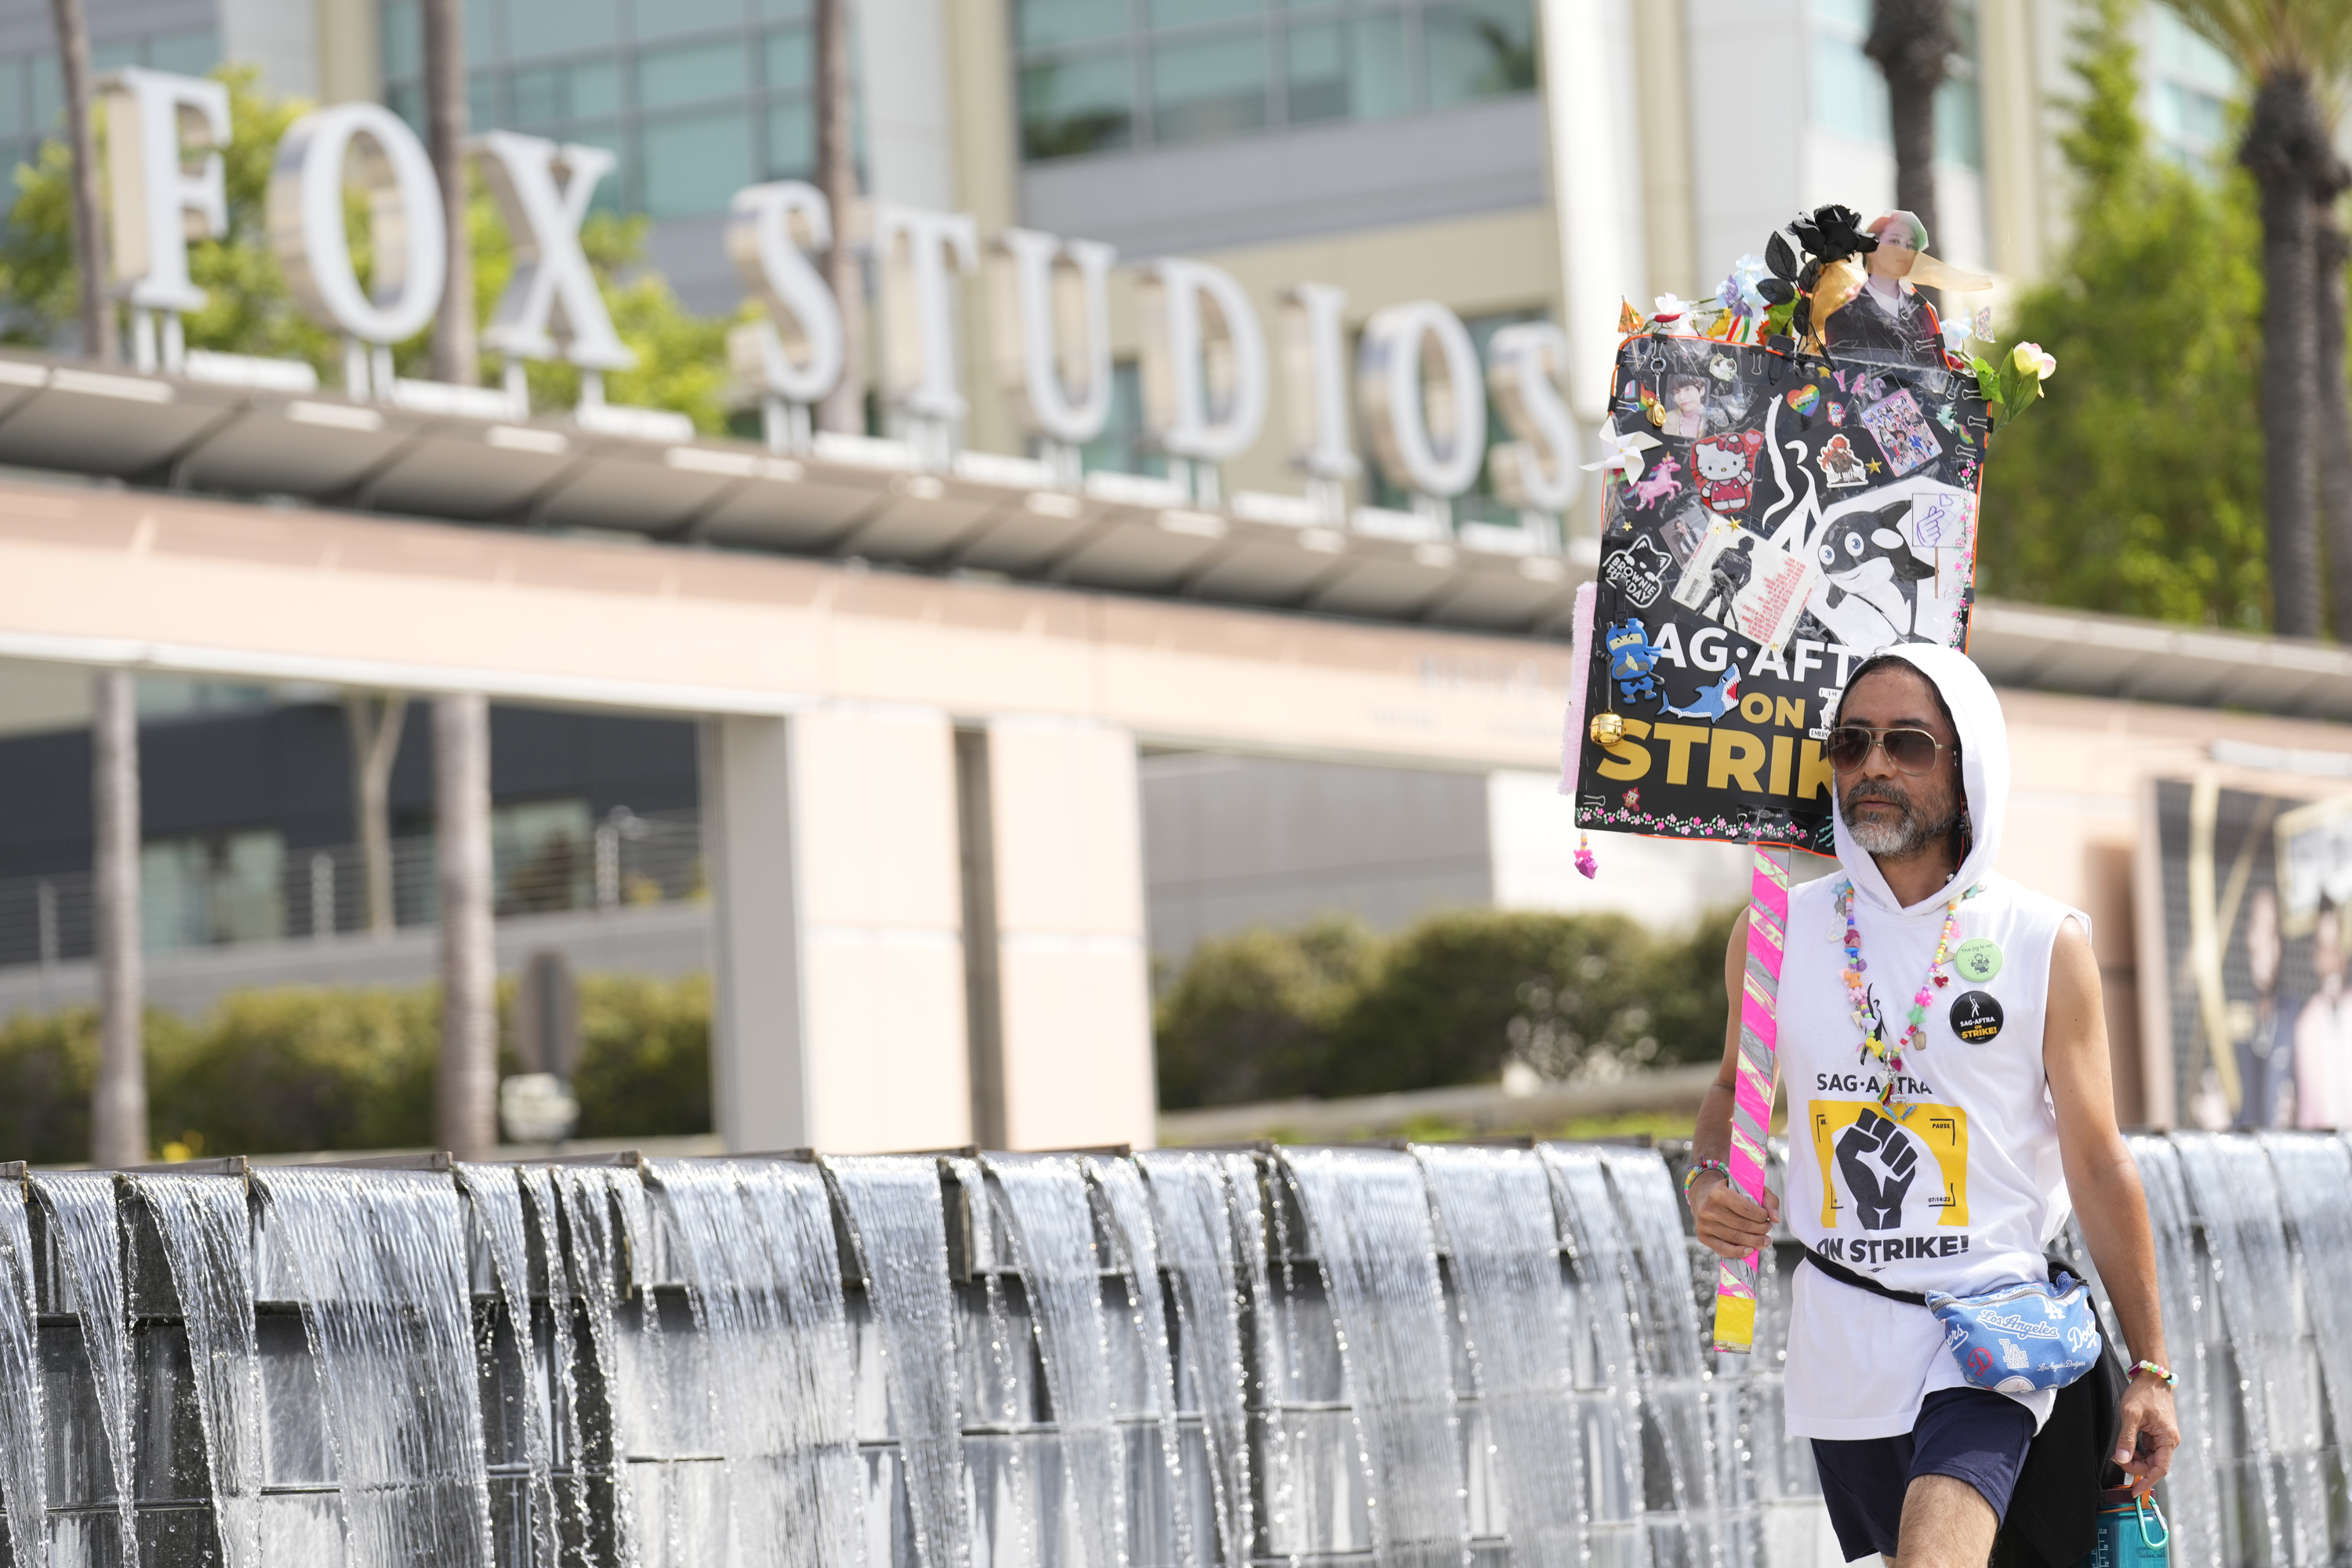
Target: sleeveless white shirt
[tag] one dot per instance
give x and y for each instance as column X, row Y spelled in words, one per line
column 1959, row 1195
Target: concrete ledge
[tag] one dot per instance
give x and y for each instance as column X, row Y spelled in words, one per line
column 1482, row 1108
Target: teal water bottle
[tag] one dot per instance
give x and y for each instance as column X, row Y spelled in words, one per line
column 2132, row 1532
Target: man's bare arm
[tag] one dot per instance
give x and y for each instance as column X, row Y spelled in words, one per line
column 2104, row 1182
column 1728, row 1224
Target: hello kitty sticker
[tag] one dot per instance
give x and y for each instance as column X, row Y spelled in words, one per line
column 1727, row 471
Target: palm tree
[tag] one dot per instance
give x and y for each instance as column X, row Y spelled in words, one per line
column 843, row 408
column 89, row 233
column 2332, row 252
column 445, row 121
column 2294, row 52
column 1912, row 42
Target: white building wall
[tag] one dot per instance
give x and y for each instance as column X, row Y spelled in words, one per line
column 1069, row 909
column 839, row 932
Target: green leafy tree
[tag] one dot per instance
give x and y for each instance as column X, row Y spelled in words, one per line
column 2137, row 486
column 681, row 357
column 2294, row 54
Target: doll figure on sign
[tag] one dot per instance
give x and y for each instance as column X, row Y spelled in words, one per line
column 1888, row 319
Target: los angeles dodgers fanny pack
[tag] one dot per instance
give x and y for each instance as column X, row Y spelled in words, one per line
column 2019, row 1339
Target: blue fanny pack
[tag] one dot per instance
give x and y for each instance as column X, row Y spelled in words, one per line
column 2019, row 1339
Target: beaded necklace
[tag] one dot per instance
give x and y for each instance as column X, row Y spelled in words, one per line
column 1867, row 1016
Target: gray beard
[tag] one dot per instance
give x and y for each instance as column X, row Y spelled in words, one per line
column 1898, row 839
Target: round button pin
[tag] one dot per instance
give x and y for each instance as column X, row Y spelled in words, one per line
column 1978, row 959
column 1976, row 1016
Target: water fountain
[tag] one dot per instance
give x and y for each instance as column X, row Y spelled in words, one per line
column 1186, row 1359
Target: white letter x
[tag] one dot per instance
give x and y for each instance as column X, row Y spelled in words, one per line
column 551, row 307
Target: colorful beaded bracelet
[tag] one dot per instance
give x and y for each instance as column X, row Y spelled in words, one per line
column 2163, row 1374
column 1699, row 1166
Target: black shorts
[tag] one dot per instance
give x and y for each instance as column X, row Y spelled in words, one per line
column 1972, row 1435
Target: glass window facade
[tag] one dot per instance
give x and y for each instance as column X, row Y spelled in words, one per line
column 198, row 891
column 1849, row 95
column 32, row 95
column 2190, row 87
column 698, row 98
column 1099, row 74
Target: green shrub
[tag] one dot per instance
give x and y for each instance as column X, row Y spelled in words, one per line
column 46, row 1061
column 645, row 1056
column 302, row 1069
column 1332, row 1010
column 1251, row 1016
column 285, row 1070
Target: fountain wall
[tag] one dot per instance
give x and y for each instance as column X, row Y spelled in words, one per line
column 1424, row 1355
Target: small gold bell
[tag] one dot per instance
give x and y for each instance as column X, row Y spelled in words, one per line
column 1607, row 728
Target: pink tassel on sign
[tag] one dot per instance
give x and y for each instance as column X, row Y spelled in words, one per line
column 1584, row 861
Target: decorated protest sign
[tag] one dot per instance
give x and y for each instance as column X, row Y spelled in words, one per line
column 1787, row 516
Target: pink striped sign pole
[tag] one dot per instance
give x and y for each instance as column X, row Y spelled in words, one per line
column 1759, row 1040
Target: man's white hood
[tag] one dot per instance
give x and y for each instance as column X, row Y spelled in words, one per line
column 1984, row 776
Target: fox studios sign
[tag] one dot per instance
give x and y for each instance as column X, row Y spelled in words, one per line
column 1418, row 383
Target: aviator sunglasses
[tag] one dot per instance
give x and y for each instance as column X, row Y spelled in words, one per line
column 1911, row 750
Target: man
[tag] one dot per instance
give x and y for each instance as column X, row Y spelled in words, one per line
column 1933, row 1161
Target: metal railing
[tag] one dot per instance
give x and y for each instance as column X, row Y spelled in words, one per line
column 321, row 893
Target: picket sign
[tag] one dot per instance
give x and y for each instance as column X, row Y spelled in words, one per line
column 1751, row 1116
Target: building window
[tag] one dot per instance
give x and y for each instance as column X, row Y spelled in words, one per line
column 1125, row 445
column 696, row 98
column 195, row 892
column 2189, row 86
column 1100, row 74
column 542, row 856
column 32, row 93
column 1849, row 94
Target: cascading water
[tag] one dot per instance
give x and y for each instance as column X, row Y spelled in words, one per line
column 2313, row 1174
column 1496, row 1226
column 1674, row 1383
column 898, row 1230
column 1167, row 1534
column 23, row 1479
column 1051, row 1219
column 1368, row 1220
column 590, row 1197
column 1610, row 1405
column 495, row 1194
column 2277, row 1472
column 86, row 1237
column 1192, row 1210
column 206, row 1231
column 755, row 1243
column 1294, row 1380
column 379, row 1260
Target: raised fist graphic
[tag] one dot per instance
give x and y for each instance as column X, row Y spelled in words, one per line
column 1879, row 1164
